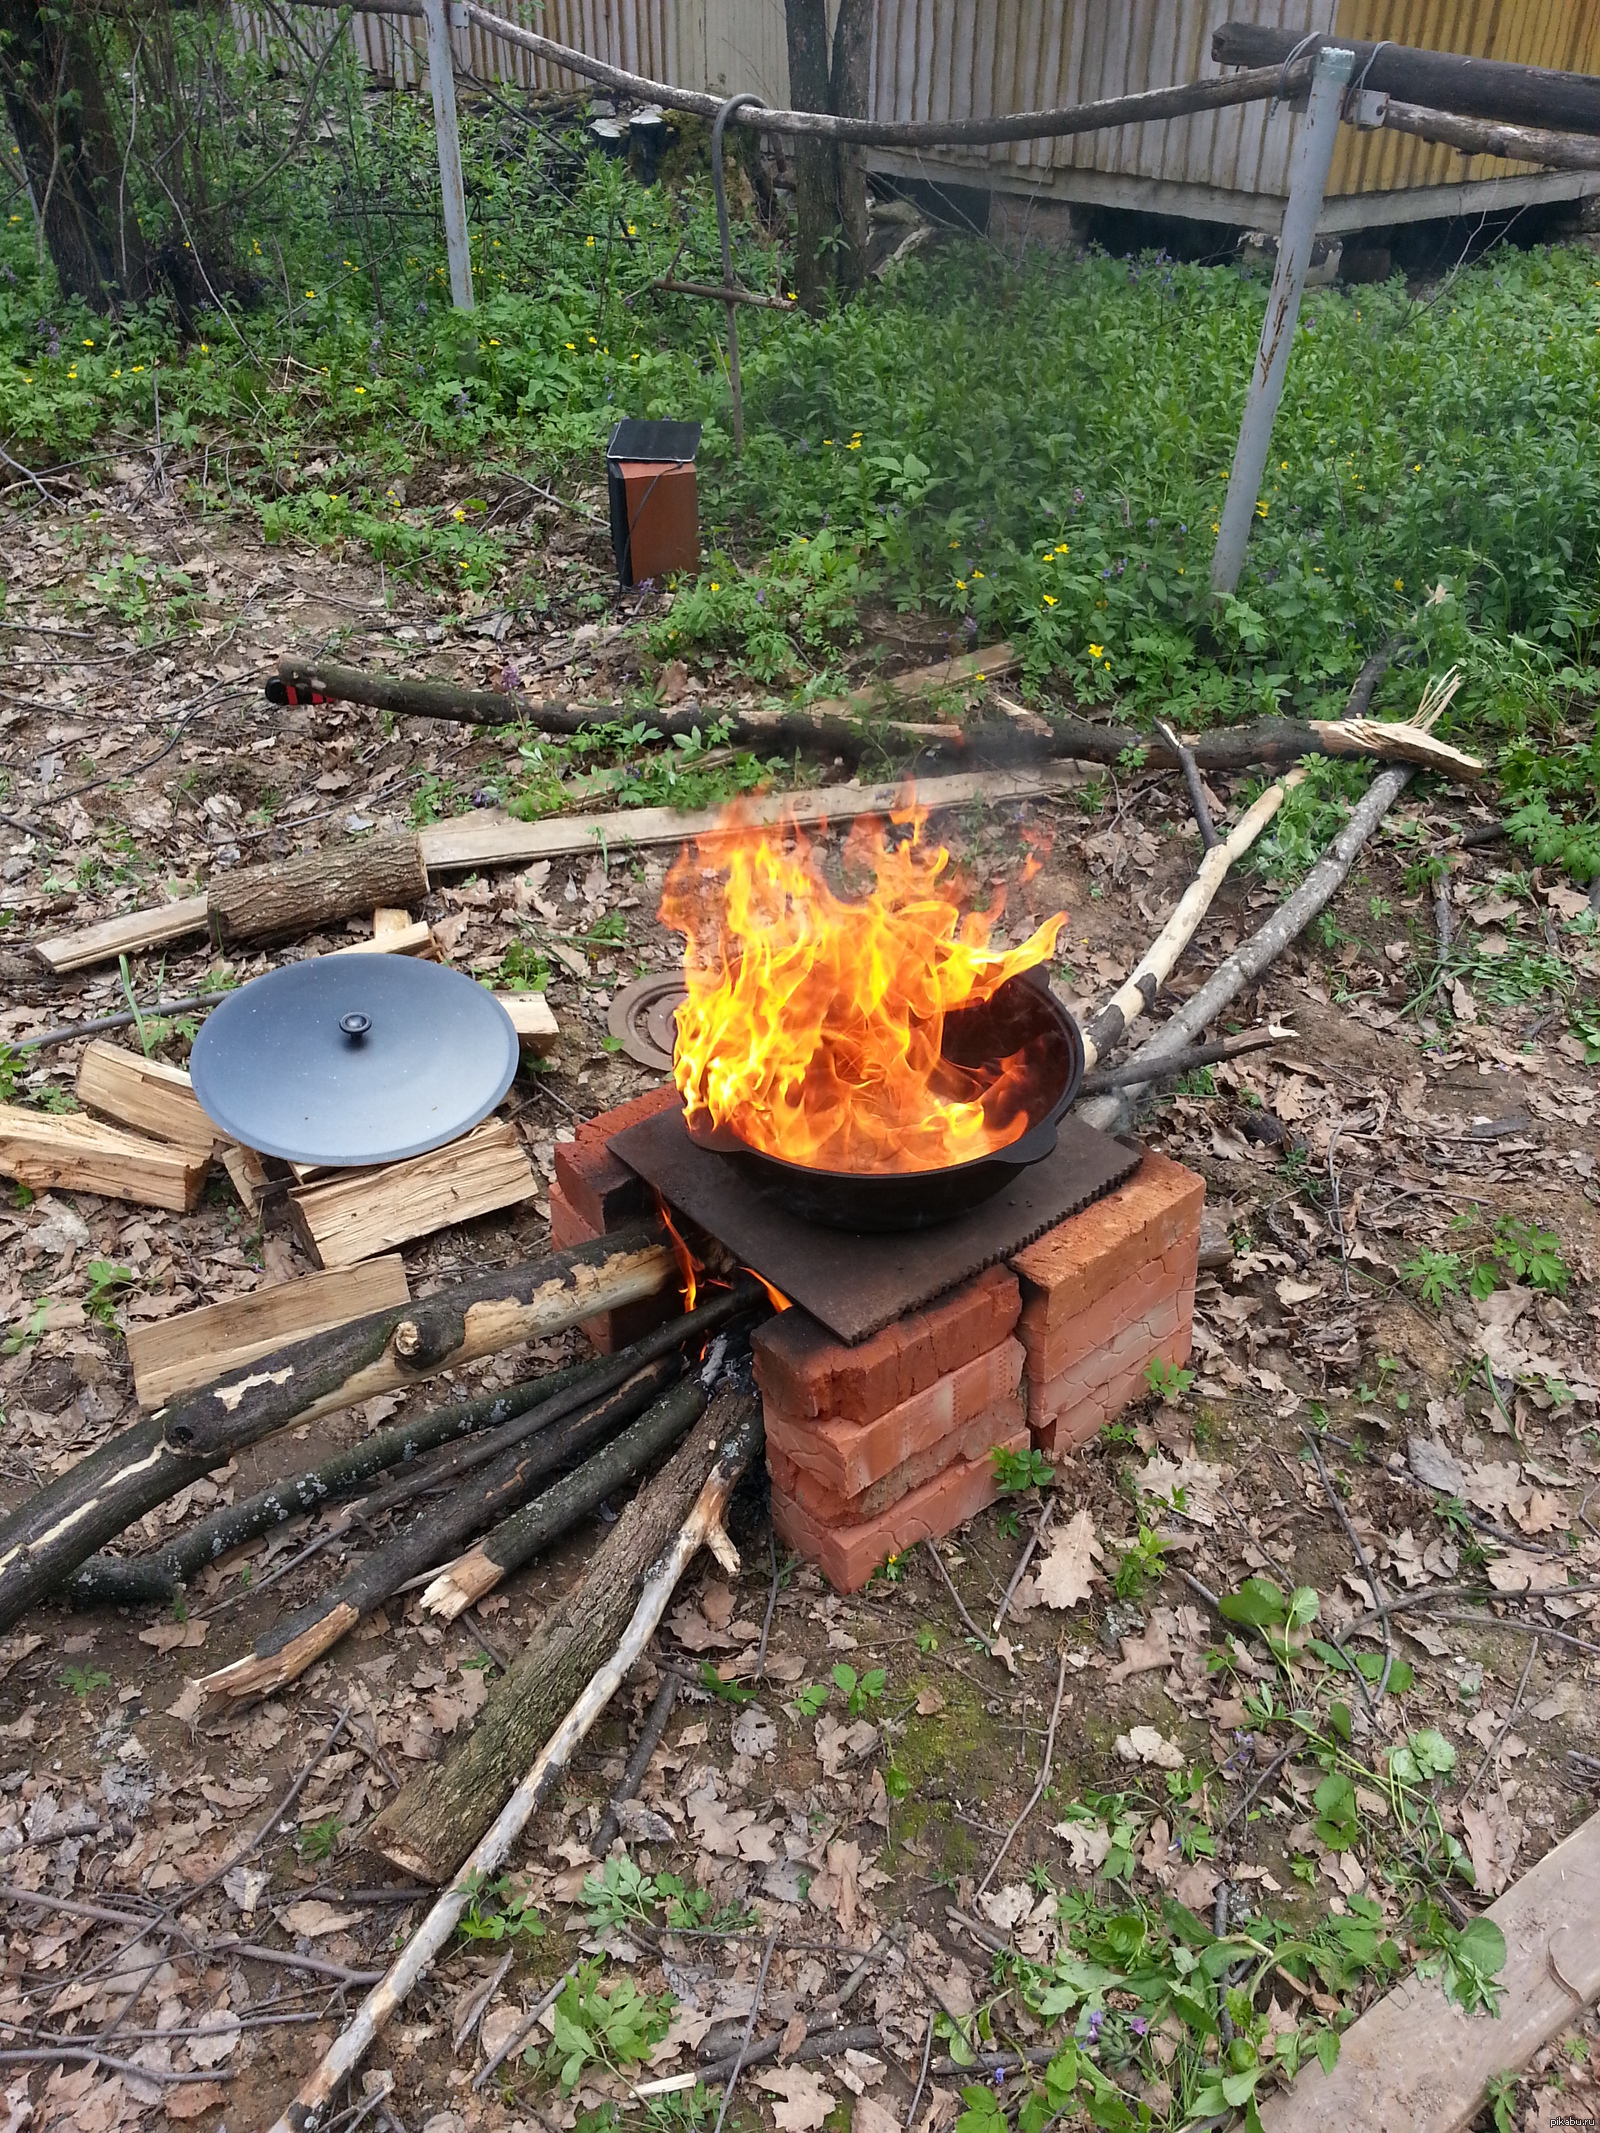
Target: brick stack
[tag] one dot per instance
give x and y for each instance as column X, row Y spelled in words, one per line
column 1105, row 1293
column 594, row 1194
column 875, row 1447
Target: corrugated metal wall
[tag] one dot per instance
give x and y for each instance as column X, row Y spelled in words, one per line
column 957, row 59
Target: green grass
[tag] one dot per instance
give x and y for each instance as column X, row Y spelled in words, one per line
column 1037, row 452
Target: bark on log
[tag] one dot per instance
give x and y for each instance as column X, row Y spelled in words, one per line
column 282, row 1653
column 1266, row 743
column 320, row 888
column 1447, row 81
column 509, row 1415
column 1482, row 137
column 518, row 1539
column 432, row 1826
column 45, row 1539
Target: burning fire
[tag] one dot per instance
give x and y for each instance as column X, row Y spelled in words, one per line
column 814, row 1026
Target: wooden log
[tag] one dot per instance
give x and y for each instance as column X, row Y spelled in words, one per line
column 46, row 1148
column 314, row 889
column 1416, row 2059
column 146, row 1095
column 1446, row 81
column 45, row 1539
column 528, row 1532
column 356, row 1214
column 832, row 723
column 130, row 934
column 433, row 1824
column 1482, row 137
column 176, row 1355
column 737, row 1422
column 532, row 1019
column 282, row 1653
column 470, row 1432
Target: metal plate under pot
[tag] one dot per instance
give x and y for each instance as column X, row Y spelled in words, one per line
column 353, row 1059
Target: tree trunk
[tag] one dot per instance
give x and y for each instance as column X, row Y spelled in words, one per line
column 852, row 74
column 815, row 185
column 56, row 103
column 440, row 1816
column 313, row 889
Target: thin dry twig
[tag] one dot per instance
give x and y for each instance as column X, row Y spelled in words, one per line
column 519, row 2036
column 749, row 2028
column 1380, row 1604
column 1493, row 1749
column 1041, row 1524
column 639, row 1762
column 1044, row 1775
column 772, row 1606
column 933, row 1549
column 922, row 2078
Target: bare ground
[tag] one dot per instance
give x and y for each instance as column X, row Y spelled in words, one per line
column 115, row 1800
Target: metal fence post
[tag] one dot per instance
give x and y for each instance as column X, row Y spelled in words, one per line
column 1307, row 183
column 442, row 76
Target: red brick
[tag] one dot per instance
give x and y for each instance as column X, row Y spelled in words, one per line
column 847, row 1457
column 1071, row 1340
column 803, row 1370
column 1003, row 1423
column 612, row 1329
column 1078, row 1262
column 848, row 1555
column 604, row 1191
column 1066, row 1411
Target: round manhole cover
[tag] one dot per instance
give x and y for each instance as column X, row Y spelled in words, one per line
column 640, row 1018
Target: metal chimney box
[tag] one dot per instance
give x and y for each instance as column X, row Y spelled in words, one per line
column 655, row 504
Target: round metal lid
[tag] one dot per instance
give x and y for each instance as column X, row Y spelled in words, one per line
column 353, row 1059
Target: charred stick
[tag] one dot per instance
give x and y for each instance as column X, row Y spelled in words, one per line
column 45, row 1539
column 1192, row 780
column 283, row 1652
column 638, row 1763
column 588, row 1382
column 522, row 1536
column 816, row 2044
column 439, row 1817
column 120, row 1580
column 1199, row 1055
column 736, row 1435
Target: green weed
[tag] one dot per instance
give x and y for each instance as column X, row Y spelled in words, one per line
column 1016, row 1471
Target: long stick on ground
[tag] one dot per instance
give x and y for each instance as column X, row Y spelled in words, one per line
column 1105, row 1030
column 738, row 1441
column 443, row 1812
column 283, row 1653
column 1287, row 923
column 518, row 1539
column 45, row 1539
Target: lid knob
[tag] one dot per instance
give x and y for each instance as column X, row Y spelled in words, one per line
column 355, row 1026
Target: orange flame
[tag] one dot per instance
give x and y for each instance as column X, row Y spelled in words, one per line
column 814, row 1025
column 689, row 1267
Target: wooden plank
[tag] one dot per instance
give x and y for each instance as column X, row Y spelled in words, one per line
column 127, row 935
column 145, row 1094
column 531, row 1017
column 179, row 1354
column 1415, row 2063
column 414, row 938
column 489, row 839
column 41, row 1149
column 352, row 1217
